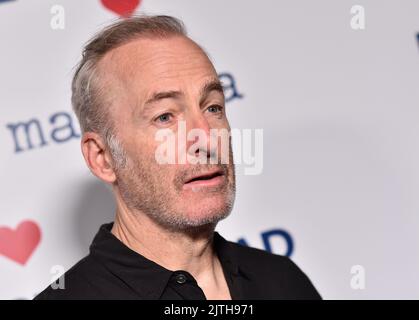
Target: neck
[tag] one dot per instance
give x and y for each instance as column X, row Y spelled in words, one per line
column 189, row 250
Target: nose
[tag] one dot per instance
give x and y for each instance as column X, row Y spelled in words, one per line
column 198, row 132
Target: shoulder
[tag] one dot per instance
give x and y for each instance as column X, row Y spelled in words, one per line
column 85, row 280
column 275, row 274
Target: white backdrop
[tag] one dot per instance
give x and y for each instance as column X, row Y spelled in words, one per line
column 339, row 112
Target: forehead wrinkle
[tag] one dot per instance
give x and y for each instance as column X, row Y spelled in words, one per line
column 169, row 66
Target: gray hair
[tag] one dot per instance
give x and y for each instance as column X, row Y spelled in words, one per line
column 88, row 92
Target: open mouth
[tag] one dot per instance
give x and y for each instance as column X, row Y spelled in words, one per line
column 206, row 180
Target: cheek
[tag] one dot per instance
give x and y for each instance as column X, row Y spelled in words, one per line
column 219, row 123
column 142, row 147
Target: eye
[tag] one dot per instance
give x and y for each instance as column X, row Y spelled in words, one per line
column 215, row 108
column 165, row 117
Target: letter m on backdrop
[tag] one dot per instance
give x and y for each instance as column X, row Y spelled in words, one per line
column 25, row 134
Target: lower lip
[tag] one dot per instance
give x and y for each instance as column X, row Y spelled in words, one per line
column 218, row 180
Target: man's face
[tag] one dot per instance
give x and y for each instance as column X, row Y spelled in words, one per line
column 157, row 84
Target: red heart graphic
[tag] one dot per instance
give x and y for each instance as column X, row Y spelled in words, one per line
column 125, row 8
column 19, row 244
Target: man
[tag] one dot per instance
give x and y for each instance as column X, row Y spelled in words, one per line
column 138, row 78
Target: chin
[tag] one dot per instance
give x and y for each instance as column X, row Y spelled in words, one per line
column 209, row 209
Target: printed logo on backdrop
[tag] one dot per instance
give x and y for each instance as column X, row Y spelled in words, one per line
column 20, row 243
column 60, row 127
column 272, row 236
column 123, row 8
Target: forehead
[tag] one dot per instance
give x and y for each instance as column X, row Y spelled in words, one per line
column 146, row 65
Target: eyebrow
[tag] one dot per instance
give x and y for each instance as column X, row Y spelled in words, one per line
column 208, row 87
column 212, row 85
column 163, row 95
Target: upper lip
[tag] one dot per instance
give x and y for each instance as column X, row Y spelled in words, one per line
column 207, row 175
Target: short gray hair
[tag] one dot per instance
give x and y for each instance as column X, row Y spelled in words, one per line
column 88, row 93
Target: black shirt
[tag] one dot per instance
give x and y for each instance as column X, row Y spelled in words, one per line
column 114, row 271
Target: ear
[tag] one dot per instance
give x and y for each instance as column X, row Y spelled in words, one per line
column 97, row 158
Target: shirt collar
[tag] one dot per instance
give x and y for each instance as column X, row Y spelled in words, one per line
column 147, row 278
column 228, row 257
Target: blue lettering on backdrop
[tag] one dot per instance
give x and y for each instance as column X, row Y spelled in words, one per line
column 36, row 132
column 68, row 127
column 26, row 133
column 31, row 134
column 229, row 86
column 267, row 236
